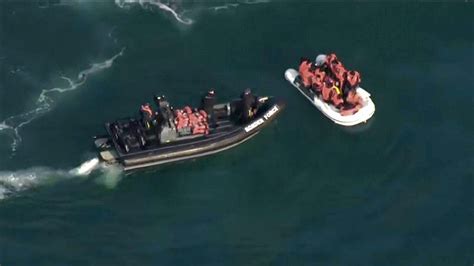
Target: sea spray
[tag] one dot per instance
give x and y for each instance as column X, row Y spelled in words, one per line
column 14, row 182
column 86, row 168
column 13, row 124
column 110, row 176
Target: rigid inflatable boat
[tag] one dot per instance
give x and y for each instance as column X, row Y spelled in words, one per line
column 132, row 144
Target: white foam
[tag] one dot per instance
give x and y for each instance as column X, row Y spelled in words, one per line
column 180, row 16
column 186, row 21
column 86, row 168
column 110, row 177
column 250, row 2
column 226, row 6
column 14, row 182
column 3, row 193
column 157, row 3
column 232, row 5
column 44, row 102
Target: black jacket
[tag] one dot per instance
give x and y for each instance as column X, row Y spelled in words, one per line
column 207, row 103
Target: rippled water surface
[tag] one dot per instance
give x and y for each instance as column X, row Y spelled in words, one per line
column 395, row 191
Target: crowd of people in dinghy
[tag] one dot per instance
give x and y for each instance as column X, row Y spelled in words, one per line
column 189, row 121
column 327, row 77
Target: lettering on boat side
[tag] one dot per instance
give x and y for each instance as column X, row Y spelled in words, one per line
column 254, row 125
column 271, row 112
column 260, row 121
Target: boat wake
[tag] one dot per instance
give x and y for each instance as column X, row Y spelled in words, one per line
column 179, row 9
column 156, row 3
column 236, row 4
column 44, row 103
column 12, row 183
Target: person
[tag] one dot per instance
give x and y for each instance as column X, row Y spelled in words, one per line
column 353, row 79
column 147, row 115
column 336, row 98
column 353, row 98
column 305, row 72
column 337, row 69
column 247, row 103
column 320, row 60
column 327, row 88
column 318, row 80
column 351, row 82
column 207, row 104
column 161, row 101
column 331, row 93
column 352, row 104
column 350, row 110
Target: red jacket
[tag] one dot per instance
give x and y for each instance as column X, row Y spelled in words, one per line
column 318, row 79
column 306, row 74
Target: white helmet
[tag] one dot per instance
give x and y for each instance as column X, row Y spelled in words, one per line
column 320, row 60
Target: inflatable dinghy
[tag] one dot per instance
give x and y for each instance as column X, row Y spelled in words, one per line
column 361, row 116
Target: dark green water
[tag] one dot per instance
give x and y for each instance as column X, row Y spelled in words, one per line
column 397, row 191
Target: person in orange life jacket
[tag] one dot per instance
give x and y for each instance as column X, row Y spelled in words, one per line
column 305, row 72
column 350, row 110
column 353, row 98
column 330, row 93
column 352, row 81
column 337, row 69
column 147, row 115
column 248, row 102
column 353, row 103
column 318, row 80
column 326, row 88
column 207, row 104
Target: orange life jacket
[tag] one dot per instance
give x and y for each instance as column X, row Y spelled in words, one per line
column 318, row 79
column 330, row 58
column 326, row 92
column 336, row 98
column 353, row 98
column 350, row 111
column 353, row 78
column 188, row 110
column 336, row 68
column 305, row 73
column 147, row 109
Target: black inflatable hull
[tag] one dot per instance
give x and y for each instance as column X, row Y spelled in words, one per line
column 194, row 148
